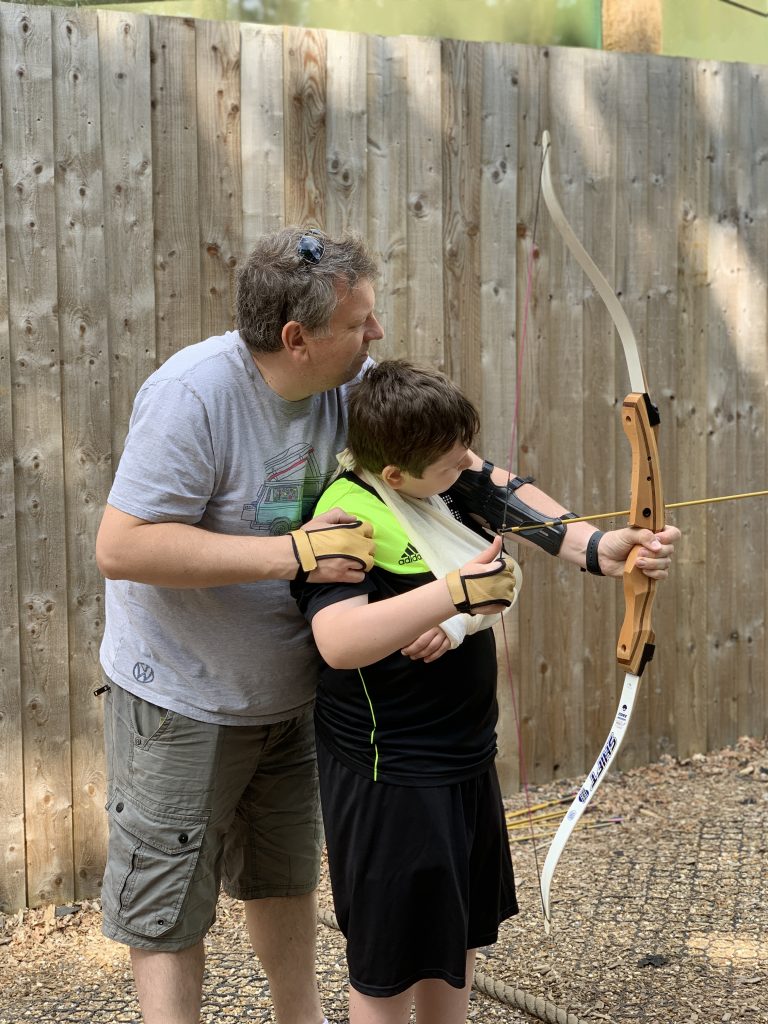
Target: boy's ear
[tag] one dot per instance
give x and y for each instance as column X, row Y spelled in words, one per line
column 393, row 477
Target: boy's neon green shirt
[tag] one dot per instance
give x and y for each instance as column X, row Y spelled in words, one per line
column 393, row 550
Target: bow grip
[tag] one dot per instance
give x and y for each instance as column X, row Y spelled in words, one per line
column 637, row 639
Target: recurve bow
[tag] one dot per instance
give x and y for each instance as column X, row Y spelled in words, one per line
column 640, row 420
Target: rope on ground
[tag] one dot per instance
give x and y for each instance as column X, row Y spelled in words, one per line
column 518, row 998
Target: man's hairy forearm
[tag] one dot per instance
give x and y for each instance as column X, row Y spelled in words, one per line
column 181, row 556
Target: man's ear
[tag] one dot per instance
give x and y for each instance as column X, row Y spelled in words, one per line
column 392, row 477
column 294, row 338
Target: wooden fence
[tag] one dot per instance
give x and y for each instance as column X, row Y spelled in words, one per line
column 142, row 156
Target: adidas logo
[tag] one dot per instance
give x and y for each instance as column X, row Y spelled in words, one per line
column 409, row 555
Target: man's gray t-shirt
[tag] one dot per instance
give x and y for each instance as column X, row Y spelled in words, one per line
column 210, row 444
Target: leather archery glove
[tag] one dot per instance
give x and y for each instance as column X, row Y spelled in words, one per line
column 474, row 593
column 342, row 540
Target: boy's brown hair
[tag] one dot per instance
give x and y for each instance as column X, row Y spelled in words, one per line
column 407, row 416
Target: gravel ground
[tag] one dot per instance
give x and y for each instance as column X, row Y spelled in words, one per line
column 658, row 918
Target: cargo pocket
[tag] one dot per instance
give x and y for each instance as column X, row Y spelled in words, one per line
column 153, row 853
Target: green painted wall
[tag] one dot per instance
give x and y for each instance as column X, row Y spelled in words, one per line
column 542, row 22
column 716, row 30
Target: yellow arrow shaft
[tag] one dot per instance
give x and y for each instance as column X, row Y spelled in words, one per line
column 623, row 512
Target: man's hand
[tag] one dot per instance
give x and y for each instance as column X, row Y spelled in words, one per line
column 429, row 646
column 486, row 585
column 655, row 558
column 334, row 548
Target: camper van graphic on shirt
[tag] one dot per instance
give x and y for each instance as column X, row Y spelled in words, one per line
column 292, row 485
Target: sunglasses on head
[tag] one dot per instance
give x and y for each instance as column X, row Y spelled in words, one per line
column 311, row 247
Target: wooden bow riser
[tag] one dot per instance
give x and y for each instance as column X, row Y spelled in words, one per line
column 637, row 639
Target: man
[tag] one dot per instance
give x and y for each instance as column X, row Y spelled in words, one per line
column 211, row 668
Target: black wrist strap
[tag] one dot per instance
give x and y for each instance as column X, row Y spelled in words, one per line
column 592, row 563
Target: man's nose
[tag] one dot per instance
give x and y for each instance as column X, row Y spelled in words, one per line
column 374, row 332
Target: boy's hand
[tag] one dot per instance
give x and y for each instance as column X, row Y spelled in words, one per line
column 485, row 585
column 429, row 646
column 658, row 550
column 334, row 548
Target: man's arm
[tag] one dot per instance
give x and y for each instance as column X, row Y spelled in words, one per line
column 182, row 556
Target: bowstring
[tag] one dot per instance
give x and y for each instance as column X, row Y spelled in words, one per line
column 512, row 446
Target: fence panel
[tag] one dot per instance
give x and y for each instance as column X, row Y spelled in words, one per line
column 177, row 260
column 142, row 157
column 86, row 412
column 262, row 136
column 750, row 331
column 604, row 379
column 26, row 69
column 498, row 335
column 690, row 599
column 127, row 168
column 13, row 870
column 387, row 189
column 306, row 188
column 424, row 187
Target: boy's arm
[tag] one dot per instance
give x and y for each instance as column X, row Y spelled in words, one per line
column 614, row 545
column 353, row 633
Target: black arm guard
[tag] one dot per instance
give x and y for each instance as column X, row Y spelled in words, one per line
column 496, row 508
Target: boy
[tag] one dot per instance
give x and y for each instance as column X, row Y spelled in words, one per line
column 415, row 831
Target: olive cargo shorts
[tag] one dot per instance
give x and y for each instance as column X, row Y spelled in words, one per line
column 191, row 804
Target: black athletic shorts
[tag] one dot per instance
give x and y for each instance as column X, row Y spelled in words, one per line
column 420, row 875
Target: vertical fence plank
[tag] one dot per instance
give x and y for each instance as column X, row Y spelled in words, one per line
column 461, row 103
column 662, row 187
column 25, row 63
column 534, row 251
column 567, row 394
column 218, row 102
column 346, row 133
column 387, row 217
column 262, row 138
column 425, row 203
column 305, row 113
column 748, row 541
column 724, row 267
column 175, row 184
column 601, row 432
column 498, row 267
column 13, row 873
column 634, row 259
column 690, row 472
column 82, row 302
column 497, row 300
column 127, row 168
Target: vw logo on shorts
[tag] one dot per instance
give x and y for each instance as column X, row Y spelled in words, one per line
column 143, row 673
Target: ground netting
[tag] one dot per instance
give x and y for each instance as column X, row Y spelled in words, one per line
column 658, row 918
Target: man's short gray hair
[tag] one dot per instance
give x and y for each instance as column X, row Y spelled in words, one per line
column 275, row 284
